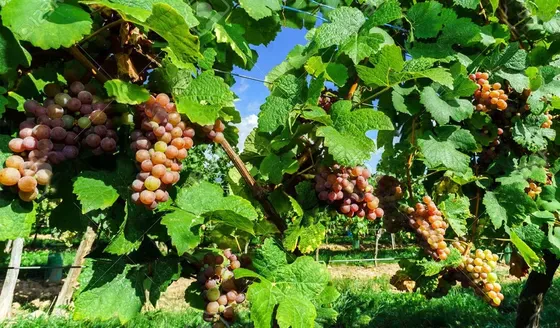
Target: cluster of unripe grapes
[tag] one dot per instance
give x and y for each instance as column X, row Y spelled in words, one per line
column 533, row 190
column 349, row 190
column 548, row 123
column 327, row 99
column 478, row 269
column 54, row 132
column 488, row 96
column 389, row 191
column 215, row 132
column 427, row 221
column 160, row 145
column 221, row 290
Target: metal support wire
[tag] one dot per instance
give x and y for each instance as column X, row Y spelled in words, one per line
column 306, row 13
column 42, row 267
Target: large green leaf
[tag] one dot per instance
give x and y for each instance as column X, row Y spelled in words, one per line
column 140, row 10
column 47, row 24
column 456, row 211
column 16, row 217
column 93, row 191
column 170, row 25
column 12, row 54
column 508, row 205
column 442, row 111
column 344, row 22
column 273, row 167
column 528, row 254
column 259, row 9
column 441, row 150
column 232, row 35
column 126, row 93
column 346, row 139
column 184, row 230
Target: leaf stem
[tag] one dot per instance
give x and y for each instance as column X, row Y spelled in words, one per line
column 375, row 95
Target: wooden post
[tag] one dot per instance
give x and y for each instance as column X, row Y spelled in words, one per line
column 65, row 295
column 393, row 241
column 8, row 246
column 377, row 237
column 7, row 295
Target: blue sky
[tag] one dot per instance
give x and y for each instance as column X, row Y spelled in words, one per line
column 252, row 94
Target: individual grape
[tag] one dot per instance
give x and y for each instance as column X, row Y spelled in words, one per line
column 212, row 307
column 16, row 145
column 85, row 97
column 58, row 134
column 29, row 143
column 213, row 293
column 93, row 141
column 160, row 146
column 25, row 132
column 240, row 298
column 229, row 313
column 9, row 176
column 159, row 170
column 152, row 183
column 158, row 158
column 77, row 87
column 161, row 196
column 68, row 121
column 98, row 117
column 14, row 161
column 62, row 99
column 147, row 197
column 55, row 111
column 70, row 152
column 84, row 122
column 27, row 184
column 28, row 196
column 108, row 145
column 86, row 110
column 219, row 137
column 52, row 89
column 43, row 176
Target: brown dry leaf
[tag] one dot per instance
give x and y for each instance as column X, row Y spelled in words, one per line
column 126, row 67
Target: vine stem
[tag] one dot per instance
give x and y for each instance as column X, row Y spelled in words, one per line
column 100, row 76
column 106, row 27
column 237, row 162
column 255, row 188
column 375, row 95
column 353, row 89
column 476, row 209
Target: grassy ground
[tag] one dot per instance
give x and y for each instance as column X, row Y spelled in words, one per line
column 366, row 303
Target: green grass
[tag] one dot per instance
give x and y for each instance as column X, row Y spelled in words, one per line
column 40, row 257
column 364, row 303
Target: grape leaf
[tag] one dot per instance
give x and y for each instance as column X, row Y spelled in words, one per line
column 441, row 150
column 306, row 194
column 269, row 258
column 273, row 295
column 132, row 230
column 12, row 54
column 544, row 9
column 311, row 237
column 126, row 93
column 170, row 25
column 442, row 111
column 257, row 32
column 208, row 199
column 344, row 22
column 456, row 210
column 334, row 72
column 532, row 235
column 119, row 297
column 387, row 12
column 469, row 4
column 273, row 167
column 16, row 217
column 94, row 191
column 359, row 47
column 508, row 205
column 232, row 34
column 164, row 272
column 170, row 79
column 518, row 80
column 546, row 92
column 184, row 230
column 317, row 114
column 46, row 24
column 346, row 139
column 140, row 10
column 425, row 19
column 259, row 9
column 529, row 133
column 529, row 255
column 512, row 57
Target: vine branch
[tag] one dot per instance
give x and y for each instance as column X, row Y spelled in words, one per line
column 106, row 27
column 100, row 76
column 411, row 158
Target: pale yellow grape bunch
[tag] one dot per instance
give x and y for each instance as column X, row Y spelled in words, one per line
column 479, row 268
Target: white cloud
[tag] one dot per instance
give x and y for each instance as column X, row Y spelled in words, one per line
column 247, row 125
column 241, row 87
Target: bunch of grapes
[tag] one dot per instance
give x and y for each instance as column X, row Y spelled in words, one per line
column 327, row 99
column 349, row 190
column 533, row 190
column 548, row 123
column 159, row 146
column 478, row 273
column 215, row 132
column 389, row 191
column 428, row 223
column 488, row 96
column 54, row 132
column 221, row 290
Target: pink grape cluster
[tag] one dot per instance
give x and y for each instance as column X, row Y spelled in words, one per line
column 429, row 225
column 215, row 132
column 160, row 145
column 54, row 132
column 221, row 290
column 349, row 190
